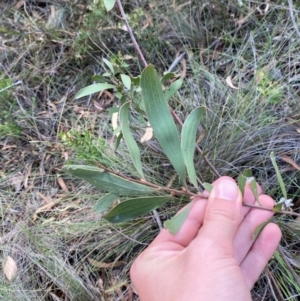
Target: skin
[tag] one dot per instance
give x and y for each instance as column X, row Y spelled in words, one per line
column 213, row 256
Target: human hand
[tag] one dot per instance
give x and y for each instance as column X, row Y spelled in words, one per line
column 213, row 256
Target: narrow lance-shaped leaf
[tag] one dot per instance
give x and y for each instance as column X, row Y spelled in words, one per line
column 118, row 140
column 175, row 86
column 108, row 181
column 109, row 65
column 133, row 208
column 242, row 180
column 98, row 79
column 175, row 223
column 253, row 187
column 105, row 202
column 188, row 141
column 167, row 76
column 278, row 175
column 94, row 88
column 130, row 142
column 161, row 120
column 259, row 228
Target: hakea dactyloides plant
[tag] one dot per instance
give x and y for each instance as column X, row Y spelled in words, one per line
column 144, row 95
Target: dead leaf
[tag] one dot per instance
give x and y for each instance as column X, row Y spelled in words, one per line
column 201, row 136
column 289, row 160
column 98, row 106
column 148, row 134
column 298, row 131
column 9, row 146
column 17, row 181
column 127, row 57
column 19, row 4
column 104, row 265
column 229, row 83
column 183, row 65
column 114, row 121
column 62, row 184
column 10, row 269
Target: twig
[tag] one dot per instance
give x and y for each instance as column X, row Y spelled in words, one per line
column 176, row 61
column 158, row 220
column 136, row 45
column 273, row 283
column 190, row 194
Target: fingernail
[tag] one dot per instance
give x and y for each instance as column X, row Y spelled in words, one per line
column 225, row 190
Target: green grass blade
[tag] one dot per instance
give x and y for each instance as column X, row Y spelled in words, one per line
column 133, row 208
column 174, row 224
column 161, row 120
column 105, row 202
column 278, row 175
column 130, row 142
column 94, row 88
column 188, row 141
column 108, row 181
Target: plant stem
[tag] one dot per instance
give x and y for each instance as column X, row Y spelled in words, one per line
column 144, row 62
column 190, row 194
column 136, row 45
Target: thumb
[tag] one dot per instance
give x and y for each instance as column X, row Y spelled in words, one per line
column 223, row 212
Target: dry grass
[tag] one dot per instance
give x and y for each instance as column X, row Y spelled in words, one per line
column 50, row 49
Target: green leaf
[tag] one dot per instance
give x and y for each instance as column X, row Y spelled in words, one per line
column 167, row 76
column 118, row 140
column 278, row 175
column 126, row 81
column 105, row 202
column 107, row 181
column 136, row 80
column 247, row 173
column 278, row 207
column 242, row 180
column 99, row 79
column 113, row 110
column 174, row 224
column 94, row 88
column 109, row 65
column 260, row 228
column 208, row 187
column 253, row 188
column 188, row 141
column 175, row 86
column 161, row 120
column 130, row 142
column 134, row 208
column 109, row 4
